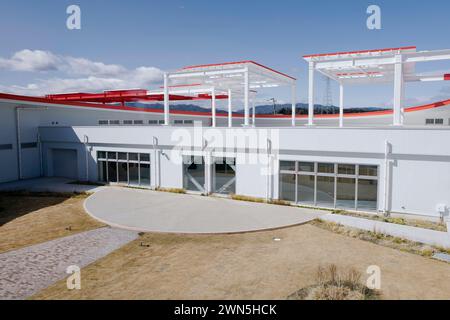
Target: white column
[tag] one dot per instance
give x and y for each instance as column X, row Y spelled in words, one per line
column 341, row 105
column 311, row 94
column 166, row 99
column 213, row 107
column 294, row 101
column 246, row 98
column 230, row 114
column 399, row 84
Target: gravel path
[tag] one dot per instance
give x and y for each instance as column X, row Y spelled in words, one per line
column 26, row 271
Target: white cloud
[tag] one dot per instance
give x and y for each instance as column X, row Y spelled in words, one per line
column 29, row 60
column 75, row 74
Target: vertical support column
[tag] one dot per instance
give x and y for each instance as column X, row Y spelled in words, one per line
column 294, row 102
column 230, row 114
column 246, row 98
column 213, row 107
column 311, row 94
column 166, row 99
column 399, row 92
column 341, row 105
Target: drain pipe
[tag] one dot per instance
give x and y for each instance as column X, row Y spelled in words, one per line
column 156, row 164
column 269, row 172
column 86, row 146
column 387, row 151
column 41, row 160
column 18, row 137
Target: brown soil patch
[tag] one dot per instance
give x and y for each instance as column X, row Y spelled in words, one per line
column 27, row 219
column 249, row 266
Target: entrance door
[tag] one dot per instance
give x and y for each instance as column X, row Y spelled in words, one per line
column 224, row 179
column 194, row 173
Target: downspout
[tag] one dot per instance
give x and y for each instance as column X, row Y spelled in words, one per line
column 18, row 139
column 386, row 178
column 41, row 160
column 86, row 146
column 156, row 164
column 19, row 146
column 269, row 172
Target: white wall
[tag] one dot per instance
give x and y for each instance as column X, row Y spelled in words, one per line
column 420, row 173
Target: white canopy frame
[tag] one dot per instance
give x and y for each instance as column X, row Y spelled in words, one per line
column 235, row 79
column 392, row 65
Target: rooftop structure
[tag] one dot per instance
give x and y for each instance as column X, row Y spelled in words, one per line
column 391, row 65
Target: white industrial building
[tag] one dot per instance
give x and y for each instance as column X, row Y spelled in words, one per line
column 385, row 161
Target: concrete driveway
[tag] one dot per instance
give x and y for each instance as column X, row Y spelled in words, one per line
column 152, row 211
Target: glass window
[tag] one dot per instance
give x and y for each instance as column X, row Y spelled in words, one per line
column 371, row 171
column 133, row 156
column 178, row 121
column 305, row 189
column 122, row 156
column 349, row 169
column 145, row 174
column 345, row 193
column 144, row 157
column 439, row 121
column 123, row 172
column 306, row 166
column 114, row 122
column 188, row 121
column 367, row 194
column 127, row 122
column 112, row 171
column 102, row 173
column 134, row 173
column 287, row 187
column 325, row 191
column 102, row 122
column 101, row 155
column 287, row 165
column 138, row 122
column 112, row 155
column 325, row 167
column 152, row 121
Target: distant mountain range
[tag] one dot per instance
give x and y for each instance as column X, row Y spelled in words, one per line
column 301, row 108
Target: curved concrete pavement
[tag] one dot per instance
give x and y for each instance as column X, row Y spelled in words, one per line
column 151, row 211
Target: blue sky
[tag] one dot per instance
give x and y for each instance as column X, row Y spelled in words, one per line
column 162, row 35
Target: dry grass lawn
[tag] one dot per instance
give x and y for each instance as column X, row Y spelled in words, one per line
column 27, row 219
column 249, row 266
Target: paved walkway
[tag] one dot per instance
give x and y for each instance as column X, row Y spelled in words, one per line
column 26, row 271
column 151, row 211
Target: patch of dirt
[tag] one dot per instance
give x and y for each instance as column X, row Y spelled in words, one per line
column 249, row 266
column 27, row 219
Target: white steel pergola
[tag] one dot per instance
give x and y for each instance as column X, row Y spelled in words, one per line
column 240, row 79
column 392, row 65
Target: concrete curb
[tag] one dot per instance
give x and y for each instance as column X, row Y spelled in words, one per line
column 427, row 236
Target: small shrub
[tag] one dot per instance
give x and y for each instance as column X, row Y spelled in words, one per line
column 172, row 190
column 334, row 285
column 247, row 198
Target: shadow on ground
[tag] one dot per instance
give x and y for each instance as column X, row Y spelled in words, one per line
column 16, row 204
